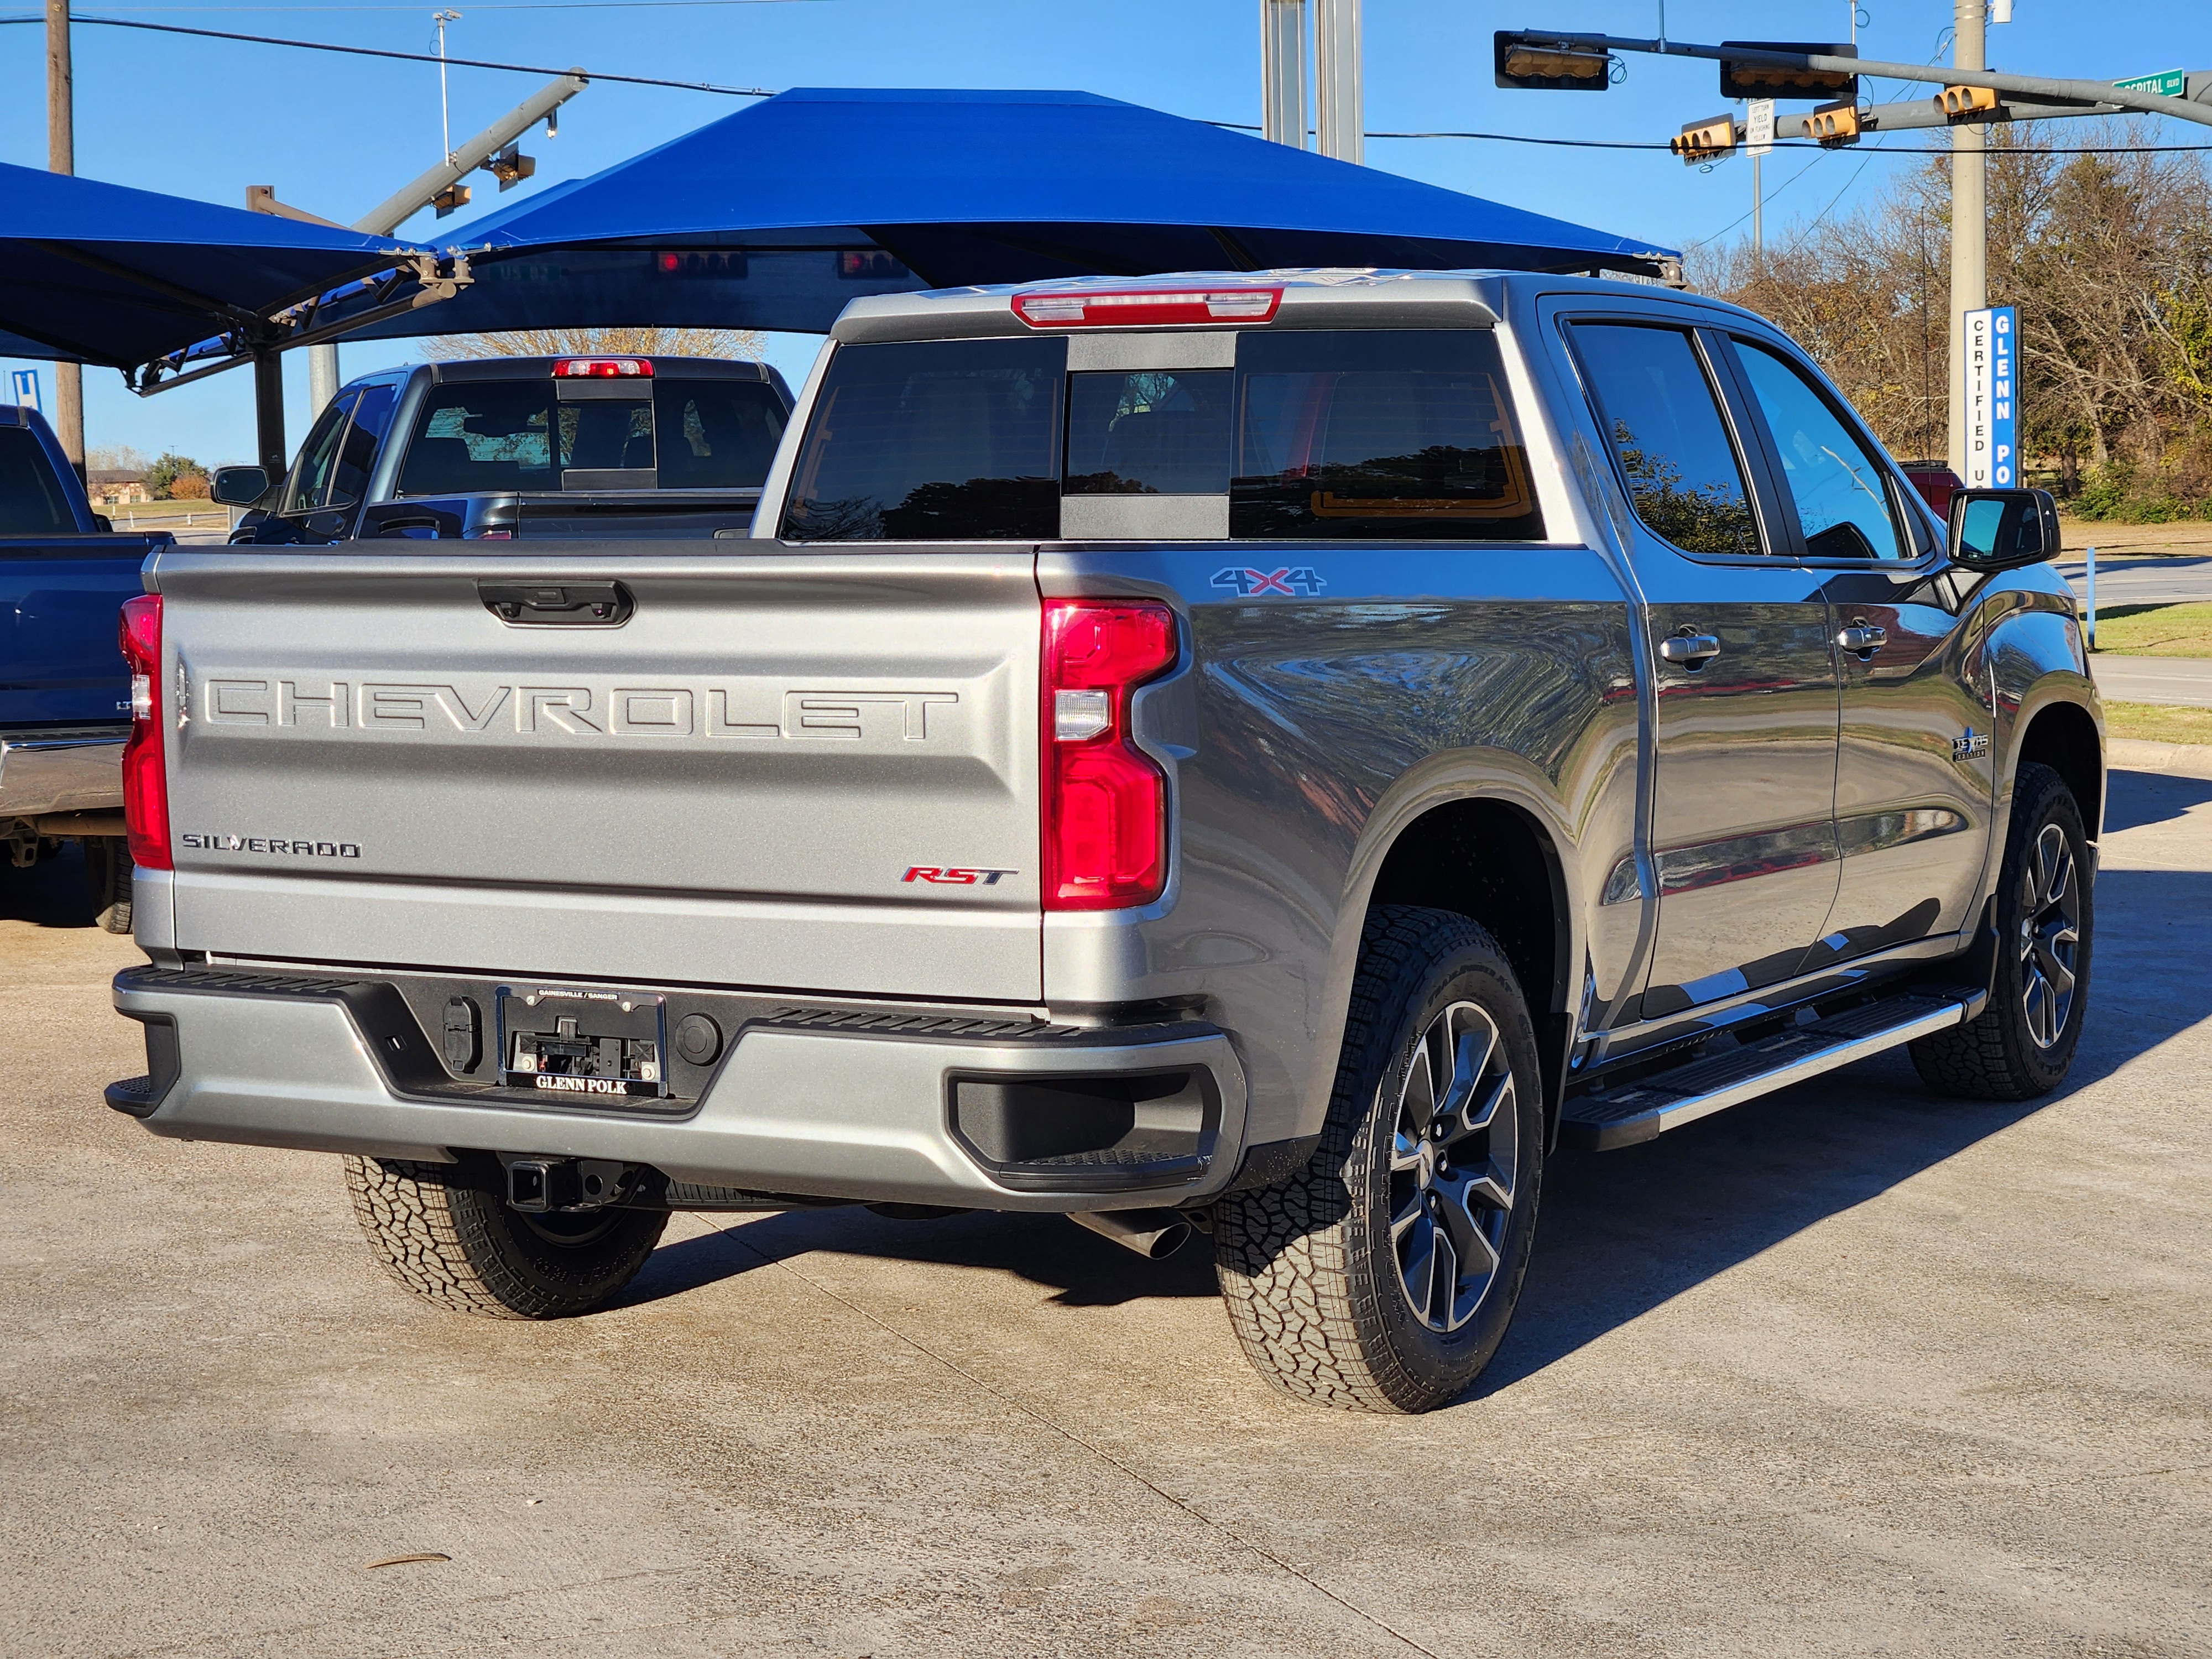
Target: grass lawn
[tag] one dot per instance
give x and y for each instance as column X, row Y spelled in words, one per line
column 2156, row 630
column 2153, row 722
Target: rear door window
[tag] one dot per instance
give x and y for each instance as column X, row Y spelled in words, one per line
column 943, row 439
column 1659, row 410
column 716, row 434
column 357, row 459
column 1378, row 434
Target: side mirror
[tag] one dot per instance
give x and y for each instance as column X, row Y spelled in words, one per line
column 2000, row 528
column 239, row 486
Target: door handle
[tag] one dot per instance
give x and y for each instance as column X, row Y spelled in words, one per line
column 557, row 604
column 1693, row 651
column 1865, row 638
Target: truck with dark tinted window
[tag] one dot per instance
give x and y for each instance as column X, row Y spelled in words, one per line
column 1268, row 754
column 500, row 448
column 64, row 693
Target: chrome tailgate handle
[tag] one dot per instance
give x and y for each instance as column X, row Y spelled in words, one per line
column 1691, row 650
column 557, row 604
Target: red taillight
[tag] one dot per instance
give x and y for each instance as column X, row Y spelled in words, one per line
column 603, row 369
column 1146, row 307
column 145, row 770
column 1105, row 802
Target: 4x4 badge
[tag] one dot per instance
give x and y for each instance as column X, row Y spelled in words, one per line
column 1287, row 581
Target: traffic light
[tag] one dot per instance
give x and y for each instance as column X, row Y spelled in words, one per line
column 1739, row 80
column 1706, row 141
column 1835, row 124
column 1966, row 102
column 1535, row 63
column 451, row 199
column 511, row 167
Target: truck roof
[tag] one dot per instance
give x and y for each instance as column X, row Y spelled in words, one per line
column 1320, row 298
column 525, row 368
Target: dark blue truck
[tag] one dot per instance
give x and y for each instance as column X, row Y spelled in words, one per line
column 65, row 692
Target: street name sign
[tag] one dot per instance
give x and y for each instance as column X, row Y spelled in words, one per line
column 1992, row 451
column 2166, row 83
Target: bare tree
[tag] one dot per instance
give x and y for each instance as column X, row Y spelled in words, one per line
column 644, row 342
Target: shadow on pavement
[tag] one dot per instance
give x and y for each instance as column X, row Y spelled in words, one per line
column 52, row 893
column 1622, row 1232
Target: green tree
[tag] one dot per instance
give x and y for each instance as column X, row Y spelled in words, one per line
column 161, row 477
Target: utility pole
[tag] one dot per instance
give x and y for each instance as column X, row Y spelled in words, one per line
column 61, row 157
column 1283, row 71
column 1337, row 79
column 1969, row 221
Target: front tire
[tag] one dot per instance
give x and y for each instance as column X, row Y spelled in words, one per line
column 1382, row 1277
column 107, row 872
column 444, row 1231
column 2022, row 1044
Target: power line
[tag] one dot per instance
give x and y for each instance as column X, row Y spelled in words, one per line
column 408, row 56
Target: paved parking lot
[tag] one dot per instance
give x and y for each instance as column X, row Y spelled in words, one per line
column 1853, row 1370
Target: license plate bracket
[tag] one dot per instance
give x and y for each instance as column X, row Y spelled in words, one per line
column 573, row 1042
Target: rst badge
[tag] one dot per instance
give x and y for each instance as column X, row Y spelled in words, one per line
column 954, row 875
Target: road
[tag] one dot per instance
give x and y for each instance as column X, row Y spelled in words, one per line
column 2183, row 680
column 2141, row 581
column 1849, row 1371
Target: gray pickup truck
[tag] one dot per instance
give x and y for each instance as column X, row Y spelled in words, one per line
column 1271, row 754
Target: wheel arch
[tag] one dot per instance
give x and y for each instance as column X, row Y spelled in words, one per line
column 2063, row 735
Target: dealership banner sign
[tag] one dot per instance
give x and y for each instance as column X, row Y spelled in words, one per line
column 1992, row 451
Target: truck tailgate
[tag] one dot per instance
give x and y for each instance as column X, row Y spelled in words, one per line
column 730, row 786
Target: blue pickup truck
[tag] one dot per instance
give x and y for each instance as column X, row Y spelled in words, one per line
column 64, row 691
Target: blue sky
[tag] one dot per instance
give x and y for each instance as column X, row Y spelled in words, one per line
column 335, row 135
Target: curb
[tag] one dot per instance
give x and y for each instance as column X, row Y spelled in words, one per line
column 2188, row 760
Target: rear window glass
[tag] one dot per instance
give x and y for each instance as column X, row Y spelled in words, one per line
column 515, row 434
column 1378, row 434
column 937, row 440
column 31, row 499
column 1154, row 433
column 716, row 434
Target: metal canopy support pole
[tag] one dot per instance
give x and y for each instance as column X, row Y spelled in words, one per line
column 1336, row 79
column 1969, row 222
column 1283, row 71
column 61, row 157
column 268, row 409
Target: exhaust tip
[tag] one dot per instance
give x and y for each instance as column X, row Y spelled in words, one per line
column 1152, row 1234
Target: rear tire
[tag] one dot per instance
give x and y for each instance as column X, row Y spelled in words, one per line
column 2022, row 1044
column 444, row 1231
column 1382, row 1276
column 107, row 869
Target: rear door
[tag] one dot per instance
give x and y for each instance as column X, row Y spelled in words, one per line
column 1742, row 835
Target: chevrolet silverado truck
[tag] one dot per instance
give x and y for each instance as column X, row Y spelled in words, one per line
column 65, row 692
column 1273, row 754
column 537, row 447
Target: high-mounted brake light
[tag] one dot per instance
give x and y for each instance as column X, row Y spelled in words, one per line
column 602, row 368
column 145, row 768
column 1146, row 307
column 1105, row 800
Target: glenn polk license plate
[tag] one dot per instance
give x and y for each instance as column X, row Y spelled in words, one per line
column 561, row 1040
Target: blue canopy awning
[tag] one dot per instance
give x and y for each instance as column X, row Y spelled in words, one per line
column 104, row 274
column 776, row 216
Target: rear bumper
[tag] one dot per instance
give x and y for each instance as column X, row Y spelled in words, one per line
column 47, row 773
column 796, row 1105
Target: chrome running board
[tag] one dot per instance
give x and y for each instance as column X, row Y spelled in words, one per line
column 1648, row 1108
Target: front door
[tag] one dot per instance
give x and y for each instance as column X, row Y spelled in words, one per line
column 1742, row 835
column 1913, row 769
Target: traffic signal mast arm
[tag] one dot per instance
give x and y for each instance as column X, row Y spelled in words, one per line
column 2072, row 97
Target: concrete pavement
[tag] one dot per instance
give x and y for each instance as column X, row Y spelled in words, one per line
column 2140, row 581
column 1851, row 1370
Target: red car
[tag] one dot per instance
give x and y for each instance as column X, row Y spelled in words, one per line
column 1935, row 482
